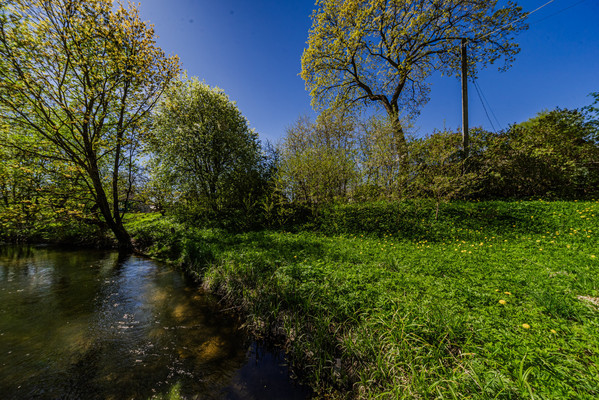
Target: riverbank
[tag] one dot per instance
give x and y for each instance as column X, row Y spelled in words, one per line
column 61, row 232
column 493, row 300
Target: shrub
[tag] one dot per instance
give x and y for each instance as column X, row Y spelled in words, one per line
column 552, row 155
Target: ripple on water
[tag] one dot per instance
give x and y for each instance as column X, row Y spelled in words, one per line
column 99, row 325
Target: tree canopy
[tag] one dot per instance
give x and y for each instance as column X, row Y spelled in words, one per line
column 203, row 150
column 78, row 80
column 318, row 162
column 382, row 51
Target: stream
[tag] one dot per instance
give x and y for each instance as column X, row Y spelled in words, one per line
column 90, row 324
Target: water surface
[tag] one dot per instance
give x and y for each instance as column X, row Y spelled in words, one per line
column 99, row 325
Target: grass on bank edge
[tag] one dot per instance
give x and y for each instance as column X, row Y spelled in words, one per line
column 495, row 300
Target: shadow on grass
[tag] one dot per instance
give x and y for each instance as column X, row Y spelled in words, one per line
column 414, row 221
column 276, row 247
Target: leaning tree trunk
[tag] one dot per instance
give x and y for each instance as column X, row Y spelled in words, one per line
column 115, row 225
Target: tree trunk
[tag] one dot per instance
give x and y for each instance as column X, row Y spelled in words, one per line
column 399, row 149
column 123, row 238
column 116, row 226
column 400, row 137
column 400, row 142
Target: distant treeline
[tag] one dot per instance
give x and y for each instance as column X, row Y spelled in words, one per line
column 97, row 121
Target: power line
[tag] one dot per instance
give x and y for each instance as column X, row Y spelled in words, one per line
column 518, row 20
column 532, row 12
column 489, row 105
column 557, row 12
column 484, row 107
column 479, row 91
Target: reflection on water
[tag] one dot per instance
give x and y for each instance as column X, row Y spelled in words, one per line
column 91, row 324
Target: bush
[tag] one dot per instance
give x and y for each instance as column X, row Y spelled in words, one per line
column 206, row 160
column 553, row 155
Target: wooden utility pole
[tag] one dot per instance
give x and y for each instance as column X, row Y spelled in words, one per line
column 465, row 136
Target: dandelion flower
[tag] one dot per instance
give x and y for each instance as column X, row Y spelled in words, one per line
column 525, row 326
column 502, row 301
column 508, row 293
column 553, row 331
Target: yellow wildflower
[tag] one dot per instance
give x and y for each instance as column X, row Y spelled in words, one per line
column 525, row 326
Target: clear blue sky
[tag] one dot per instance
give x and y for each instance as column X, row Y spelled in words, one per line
column 252, row 50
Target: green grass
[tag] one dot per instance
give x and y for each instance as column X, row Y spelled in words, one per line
column 493, row 301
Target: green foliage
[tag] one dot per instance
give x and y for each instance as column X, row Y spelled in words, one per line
column 78, row 80
column 338, row 158
column 495, row 300
column 382, row 160
column 318, row 160
column 43, row 200
column 205, row 158
column 402, row 219
column 551, row 155
column 592, row 111
column 439, row 171
column 166, row 239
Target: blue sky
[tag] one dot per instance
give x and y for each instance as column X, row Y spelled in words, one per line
column 252, row 48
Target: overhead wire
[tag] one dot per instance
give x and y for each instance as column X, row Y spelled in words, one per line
column 484, row 107
column 481, row 95
column 518, row 20
column 530, row 13
column 557, row 12
column 490, row 108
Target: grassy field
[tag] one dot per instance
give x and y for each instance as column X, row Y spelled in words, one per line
column 496, row 300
